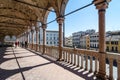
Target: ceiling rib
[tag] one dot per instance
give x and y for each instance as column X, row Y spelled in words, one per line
column 33, row 5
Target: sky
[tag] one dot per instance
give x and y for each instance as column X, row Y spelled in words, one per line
column 86, row 18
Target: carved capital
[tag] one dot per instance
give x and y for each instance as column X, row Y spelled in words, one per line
column 101, row 4
column 60, row 20
column 44, row 26
column 37, row 29
column 32, row 31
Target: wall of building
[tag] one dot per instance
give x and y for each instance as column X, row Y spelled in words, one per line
column 68, row 41
column 94, row 40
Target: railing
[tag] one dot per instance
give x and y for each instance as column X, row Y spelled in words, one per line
column 113, row 59
column 52, row 51
column 41, row 48
column 85, row 59
column 80, row 58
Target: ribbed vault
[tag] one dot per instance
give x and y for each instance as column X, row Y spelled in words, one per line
column 17, row 15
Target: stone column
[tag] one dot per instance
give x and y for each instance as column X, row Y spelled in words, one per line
column 102, row 47
column 28, row 39
column 44, row 37
column 60, row 23
column 32, row 32
column 37, row 37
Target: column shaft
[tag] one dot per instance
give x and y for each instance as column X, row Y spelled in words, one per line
column 44, row 37
column 60, row 22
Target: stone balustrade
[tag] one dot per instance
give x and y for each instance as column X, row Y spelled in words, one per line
column 112, row 57
column 85, row 59
column 80, row 58
column 52, row 51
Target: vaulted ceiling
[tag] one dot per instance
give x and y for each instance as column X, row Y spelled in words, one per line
column 17, row 15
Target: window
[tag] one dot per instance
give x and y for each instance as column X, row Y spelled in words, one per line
column 112, row 48
column 116, row 49
column 112, row 42
column 50, row 38
column 107, row 42
column 54, row 38
column 107, row 48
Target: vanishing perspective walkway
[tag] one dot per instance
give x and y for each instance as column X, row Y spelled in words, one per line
column 22, row 64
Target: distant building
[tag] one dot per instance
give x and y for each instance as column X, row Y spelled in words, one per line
column 94, row 40
column 113, row 43
column 52, row 37
column 85, row 42
column 76, row 36
column 68, row 41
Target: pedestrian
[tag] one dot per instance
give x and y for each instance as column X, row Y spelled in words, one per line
column 16, row 43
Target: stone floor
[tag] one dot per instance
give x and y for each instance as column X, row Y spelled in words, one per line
column 22, row 64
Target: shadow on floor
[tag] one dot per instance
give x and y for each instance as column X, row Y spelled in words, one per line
column 4, row 74
column 70, row 67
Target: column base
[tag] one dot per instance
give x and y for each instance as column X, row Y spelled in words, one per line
column 59, row 59
column 90, row 71
column 101, row 76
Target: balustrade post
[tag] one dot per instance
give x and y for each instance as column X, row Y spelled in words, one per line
column 96, row 65
column 118, row 69
column 69, row 57
column 110, row 69
column 81, row 61
column 86, row 62
column 66, row 56
column 91, row 63
column 74, row 56
column 78, row 63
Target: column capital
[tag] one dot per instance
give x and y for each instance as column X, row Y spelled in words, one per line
column 44, row 26
column 37, row 29
column 101, row 4
column 60, row 20
column 32, row 31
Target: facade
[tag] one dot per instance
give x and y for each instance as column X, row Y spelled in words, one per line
column 113, row 43
column 94, row 40
column 77, row 35
column 76, row 38
column 52, row 37
column 68, row 41
column 85, row 42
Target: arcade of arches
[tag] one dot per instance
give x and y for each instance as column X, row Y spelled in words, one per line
column 22, row 17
